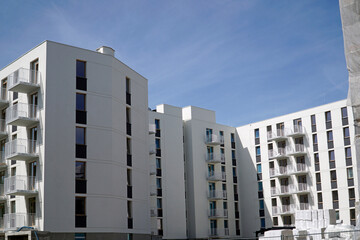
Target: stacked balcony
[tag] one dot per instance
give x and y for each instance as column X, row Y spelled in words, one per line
column 215, row 158
column 218, row 213
column 304, row 206
column 4, row 101
column 296, row 131
column 21, row 149
column 287, row 209
column 24, row 80
column 303, row 188
column 218, row 232
column 152, row 128
column 217, row 195
column 20, row 185
column 213, row 139
column 216, row 176
column 278, row 135
column 300, row 168
column 283, row 190
column 279, row 154
column 22, row 114
column 299, row 150
column 14, row 221
column 282, row 171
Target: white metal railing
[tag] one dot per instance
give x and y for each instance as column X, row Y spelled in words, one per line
column 218, row 213
column 217, row 194
column 275, row 210
column 24, row 75
column 214, row 139
column 216, row 175
column 284, row 170
column 299, row 148
column 212, row 157
column 20, row 183
column 302, row 187
column 271, row 153
column 287, row 208
column 3, row 94
column 287, row 189
column 17, row 220
column 304, row 206
column 301, row 167
column 272, row 172
column 278, row 133
column 2, row 190
column 297, row 129
column 21, row 110
column 218, row 231
column 21, row 146
column 274, row 191
column 152, row 128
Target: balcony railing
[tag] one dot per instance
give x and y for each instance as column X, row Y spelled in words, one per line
column 217, row 194
column 213, row 139
column 4, row 101
column 287, row 209
column 275, row 210
column 280, row 153
column 281, row 171
column 217, row 232
column 13, row 221
column 215, row 158
column 24, row 80
column 20, row 185
column 21, row 149
column 22, row 114
column 218, row 213
column 296, row 131
column 298, row 150
column 283, row 190
column 152, row 128
column 303, row 187
column 278, row 134
column 216, row 176
column 300, row 168
column 304, row 206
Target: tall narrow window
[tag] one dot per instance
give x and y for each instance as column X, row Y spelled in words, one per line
column 80, row 135
column 330, row 139
column 128, row 121
column 34, row 71
column 130, row 214
column 313, row 123
column 328, row 120
column 315, row 142
column 348, row 156
column 128, row 91
column 320, row 201
column 351, row 197
column 257, row 136
column 80, row 212
column 317, row 162
column 232, row 138
column 81, row 81
column 81, row 108
column 318, row 181
column 346, row 136
column 333, row 179
column 344, row 116
column 332, row 159
column 350, row 176
column 335, row 198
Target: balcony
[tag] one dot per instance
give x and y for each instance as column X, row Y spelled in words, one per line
column 215, row 158
column 24, row 80
column 300, row 168
column 14, row 221
column 217, row 194
column 279, row 154
column 275, row 210
column 218, row 232
column 296, row 131
column 22, row 114
column 283, row 190
column 277, row 135
column 304, row 206
column 303, row 188
column 152, row 128
column 20, row 185
column 216, row 176
column 21, row 149
column 213, row 139
column 297, row 151
column 282, row 171
column 4, row 101
column 287, row 209
column 3, row 130
column 218, row 213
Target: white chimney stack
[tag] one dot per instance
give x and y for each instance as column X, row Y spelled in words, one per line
column 106, row 50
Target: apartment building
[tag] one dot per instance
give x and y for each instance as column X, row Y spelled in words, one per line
column 74, row 125
column 303, row 160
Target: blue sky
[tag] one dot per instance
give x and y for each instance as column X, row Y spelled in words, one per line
column 248, row 60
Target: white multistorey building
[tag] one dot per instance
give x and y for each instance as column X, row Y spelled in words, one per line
column 304, row 160
column 74, row 128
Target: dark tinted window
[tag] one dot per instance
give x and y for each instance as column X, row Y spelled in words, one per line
column 80, row 69
column 80, row 102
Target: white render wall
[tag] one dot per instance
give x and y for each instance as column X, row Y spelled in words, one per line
column 172, row 171
column 249, row 183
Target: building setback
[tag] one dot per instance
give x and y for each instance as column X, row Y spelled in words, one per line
column 82, row 157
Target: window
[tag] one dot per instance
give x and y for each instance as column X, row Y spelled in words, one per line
column 80, row 170
column 350, row 174
column 335, row 198
column 328, row 116
column 234, row 172
column 352, row 217
column 262, row 222
column 158, row 183
column 315, row 140
column 233, row 154
column 318, row 178
column 320, row 201
column 261, row 204
column 346, row 136
column 351, row 194
column 15, row 96
column 80, row 69
column 348, row 156
column 159, row 203
column 317, row 162
column 258, row 153
column 129, row 209
column 258, row 167
column 275, row 221
column 329, row 136
column 158, row 163
column 80, row 236
column 80, row 102
column 128, row 177
column 232, row 137
column 80, row 206
column 260, row 186
column 128, row 85
column 257, row 133
column 157, row 143
column 344, row 113
column 333, row 175
column 157, row 123
column 80, row 135
column 313, row 123
column 331, row 156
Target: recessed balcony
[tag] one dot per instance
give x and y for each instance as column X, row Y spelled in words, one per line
column 287, row 209
column 218, row 232
column 304, row 206
column 283, row 190
column 277, row 135
column 4, row 101
column 296, row 131
column 217, row 194
column 218, row 213
column 216, row 176
column 20, row 185
column 213, row 139
column 22, row 114
column 152, row 128
column 24, row 80
column 14, row 221
column 21, row 149
column 215, row 158
column 298, row 150
column 300, row 168
column 279, row 154
column 303, row 188
column 283, row 171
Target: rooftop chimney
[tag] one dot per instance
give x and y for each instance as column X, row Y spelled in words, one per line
column 106, row 50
